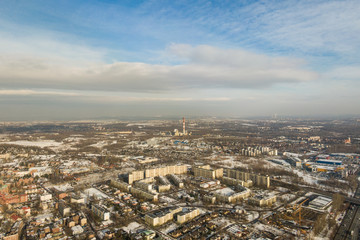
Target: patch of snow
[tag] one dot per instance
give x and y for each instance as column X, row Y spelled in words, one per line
column 42, row 144
column 132, row 227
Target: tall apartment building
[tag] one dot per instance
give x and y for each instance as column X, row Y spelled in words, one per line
column 135, row 176
column 156, row 172
column 163, row 171
column 258, row 180
column 207, row 172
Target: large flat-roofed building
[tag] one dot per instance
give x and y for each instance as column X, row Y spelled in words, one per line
column 320, row 202
column 160, row 217
column 230, row 196
column 101, row 212
column 187, row 214
column 258, row 180
column 261, row 201
column 207, row 172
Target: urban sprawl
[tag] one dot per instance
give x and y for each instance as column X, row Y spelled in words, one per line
column 205, row 178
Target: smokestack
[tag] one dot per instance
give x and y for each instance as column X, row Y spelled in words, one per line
column 184, row 126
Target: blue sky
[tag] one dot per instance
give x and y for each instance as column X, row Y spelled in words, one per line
column 220, row 58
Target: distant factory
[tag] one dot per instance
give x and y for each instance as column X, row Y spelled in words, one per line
column 176, row 131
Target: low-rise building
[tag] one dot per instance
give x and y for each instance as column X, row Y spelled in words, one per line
column 45, row 197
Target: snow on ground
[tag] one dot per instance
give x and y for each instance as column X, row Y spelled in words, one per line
column 166, row 199
column 132, row 227
column 228, row 161
column 287, row 197
column 99, row 144
column 42, row 143
column 252, row 215
column 95, row 192
column 63, row 187
column 261, row 227
column 225, row 191
column 306, row 177
column 221, row 221
column 169, row 228
column 282, row 189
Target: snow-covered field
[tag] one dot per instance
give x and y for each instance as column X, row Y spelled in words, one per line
column 42, row 143
column 169, row 228
column 252, row 215
column 132, row 227
column 166, row 199
column 221, row 221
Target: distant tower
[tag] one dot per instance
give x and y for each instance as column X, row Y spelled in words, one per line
column 184, row 131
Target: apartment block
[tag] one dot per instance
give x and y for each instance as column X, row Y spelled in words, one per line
column 176, row 180
column 207, row 172
column 163, row 171
column 162, row 216
column 236, row 182
column 143, row 194
column 187, row 214
column 228, row 195
column 262, row 200
column 123, row 186
column 135, row 176
column 258, row 180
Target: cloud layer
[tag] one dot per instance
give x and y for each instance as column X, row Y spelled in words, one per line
column 202, row 67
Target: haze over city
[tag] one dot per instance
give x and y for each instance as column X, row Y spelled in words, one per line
column 64, row 60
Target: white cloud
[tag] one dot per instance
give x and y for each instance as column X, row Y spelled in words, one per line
column 104, row 97
column 346, row 73
column 27, row 92
column 205, row 67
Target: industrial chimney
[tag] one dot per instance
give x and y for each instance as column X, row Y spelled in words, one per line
column 184, row 131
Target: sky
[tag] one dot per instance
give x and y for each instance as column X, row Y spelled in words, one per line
column 89, row 59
